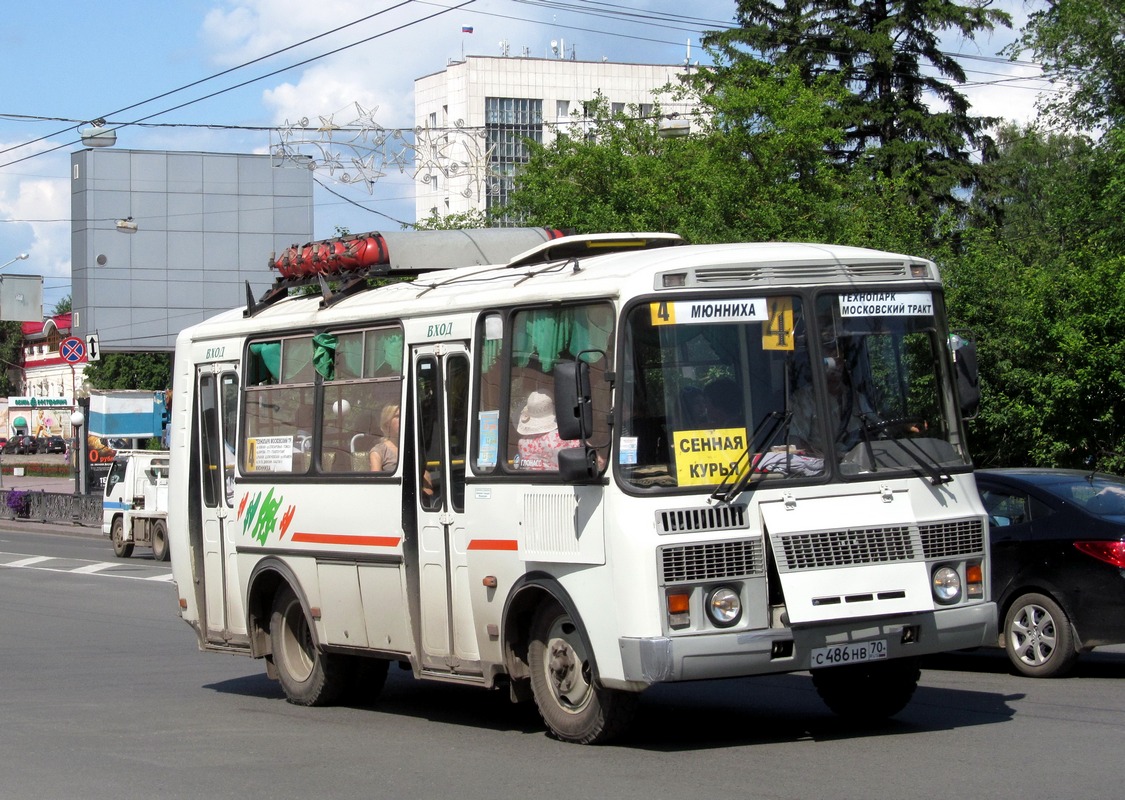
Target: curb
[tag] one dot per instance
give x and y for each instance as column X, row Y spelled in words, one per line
column 42, row 526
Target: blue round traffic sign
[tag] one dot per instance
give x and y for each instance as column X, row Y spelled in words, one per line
column 73, row 350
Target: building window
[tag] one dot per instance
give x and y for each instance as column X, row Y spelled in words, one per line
column 562, row 109
column 510, row 123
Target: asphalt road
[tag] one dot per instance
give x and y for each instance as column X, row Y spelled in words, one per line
column 103, row 694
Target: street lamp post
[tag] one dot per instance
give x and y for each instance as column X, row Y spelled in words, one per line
column 20, row 257
column 77, row 420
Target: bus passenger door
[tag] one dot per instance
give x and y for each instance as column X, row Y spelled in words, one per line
column 441, row 403
column 217, row 406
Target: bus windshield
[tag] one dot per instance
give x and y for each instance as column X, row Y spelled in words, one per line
column 857, row 388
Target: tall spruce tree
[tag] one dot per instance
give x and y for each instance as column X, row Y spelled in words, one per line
column 899, row 121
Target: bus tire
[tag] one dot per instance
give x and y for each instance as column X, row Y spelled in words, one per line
column 121, row 548
column 573, row 705
column 160, row 540
column 368, row 676
column 868, row 692
column 308, row 676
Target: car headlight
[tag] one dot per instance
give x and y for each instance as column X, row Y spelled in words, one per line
column 946, row 585
column 724, row 606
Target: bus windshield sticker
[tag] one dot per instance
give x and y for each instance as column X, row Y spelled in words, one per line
column 887, row 304
column 696, row 312
column 627, row 452
column 487, row 447
column 706, row 457
column 269, row 454
column 777, row 332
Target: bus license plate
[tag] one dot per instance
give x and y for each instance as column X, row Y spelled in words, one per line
column 853, row 653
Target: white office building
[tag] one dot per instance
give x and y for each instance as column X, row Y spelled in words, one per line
column 474, row 116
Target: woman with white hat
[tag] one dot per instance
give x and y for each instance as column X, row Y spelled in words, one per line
column 538, row 428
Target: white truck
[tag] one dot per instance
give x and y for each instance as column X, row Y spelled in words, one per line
column 135, row 503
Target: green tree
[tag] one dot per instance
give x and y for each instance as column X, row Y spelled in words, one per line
column 11, row 357
column 62, row 307
column 1040, row 277
column 878, row 49
column 1081, row 47
column 149, row 371
column 754, row 167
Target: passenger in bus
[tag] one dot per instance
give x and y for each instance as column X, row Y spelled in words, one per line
column 539, row 443
column 844, row 424
column 384, row 455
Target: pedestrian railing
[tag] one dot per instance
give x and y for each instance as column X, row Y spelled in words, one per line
column 41, row 506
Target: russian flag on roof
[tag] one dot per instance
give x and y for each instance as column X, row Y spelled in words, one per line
column 466, row 29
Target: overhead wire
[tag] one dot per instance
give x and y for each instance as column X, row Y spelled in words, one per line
column 445, row 10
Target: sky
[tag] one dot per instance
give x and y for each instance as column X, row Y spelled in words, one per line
column 207, row 75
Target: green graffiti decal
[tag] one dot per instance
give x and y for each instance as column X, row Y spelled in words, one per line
column 259, row 526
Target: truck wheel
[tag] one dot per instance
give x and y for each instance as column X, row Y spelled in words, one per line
column 160, row 540
column 121, row 548
column 308, row 676
column 868, row 692
column 575, row 708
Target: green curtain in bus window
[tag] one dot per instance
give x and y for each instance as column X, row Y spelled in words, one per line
column 546, row 334
column 490, row 352
column 324, row 355
column 267, row 356
column 349, row 356
column 384, row 348
column 590, row 330
column 298, row 360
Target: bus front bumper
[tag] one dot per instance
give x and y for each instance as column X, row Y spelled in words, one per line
column 731, row 654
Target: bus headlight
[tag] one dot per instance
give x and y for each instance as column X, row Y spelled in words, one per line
column 946, row 585
column 724, row 606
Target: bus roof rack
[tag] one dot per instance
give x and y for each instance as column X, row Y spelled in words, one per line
column 348, row 261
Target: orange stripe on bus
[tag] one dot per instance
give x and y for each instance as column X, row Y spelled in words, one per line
column 494, row 544
column 337, row 538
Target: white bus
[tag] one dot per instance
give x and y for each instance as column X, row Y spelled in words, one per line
column 608, row 462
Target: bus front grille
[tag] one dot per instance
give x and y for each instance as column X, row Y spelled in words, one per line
column 712, row 561
column 851, row 547
column 705, row 518
column 954, row 538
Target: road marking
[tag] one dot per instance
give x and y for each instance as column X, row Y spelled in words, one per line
column 108, row 569
column 27, row 562
column 90, row 569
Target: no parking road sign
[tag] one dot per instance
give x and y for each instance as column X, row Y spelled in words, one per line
column 73, row 350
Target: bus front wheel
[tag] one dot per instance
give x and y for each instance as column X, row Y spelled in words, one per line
column 308, row 676
column 868, row 692
column 570, row 701
column 121, row 548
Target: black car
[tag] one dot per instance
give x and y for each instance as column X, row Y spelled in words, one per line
column 1058, row 563
column 20, row 444
column 54, row 444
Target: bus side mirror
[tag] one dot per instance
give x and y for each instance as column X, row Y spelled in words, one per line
column 578, row 464
column 573, row 407
column 967, row 375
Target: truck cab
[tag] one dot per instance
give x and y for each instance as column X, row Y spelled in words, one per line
column 135, row 503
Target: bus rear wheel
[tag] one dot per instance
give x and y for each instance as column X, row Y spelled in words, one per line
column 121, row 548
column 308, row 676
column 570, row 701
column 160, row 540
column 868, row 692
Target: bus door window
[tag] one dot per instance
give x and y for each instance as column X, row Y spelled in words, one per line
column 457, row 398
column 210, row 441
column 229, row 401
column 431, row 455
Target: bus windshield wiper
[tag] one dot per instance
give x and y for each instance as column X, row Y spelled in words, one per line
column 741, row 476
column 873, row 424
